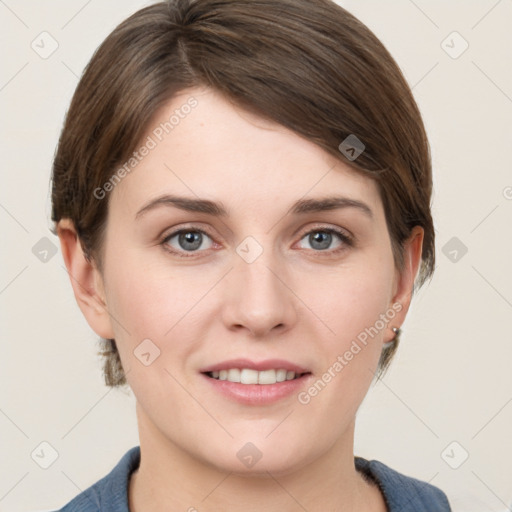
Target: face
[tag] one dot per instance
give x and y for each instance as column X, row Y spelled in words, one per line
column 272, row 286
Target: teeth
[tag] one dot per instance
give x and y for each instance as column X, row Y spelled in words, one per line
column 281, row 375
column 267, row 377
column 234, row 375
column 247, row 376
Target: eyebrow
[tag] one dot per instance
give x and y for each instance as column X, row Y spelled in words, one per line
column 218, row 210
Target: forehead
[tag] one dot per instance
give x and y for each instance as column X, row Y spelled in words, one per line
column 201, row 144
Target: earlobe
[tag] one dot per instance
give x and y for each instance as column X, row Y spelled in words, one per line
column 86, row 280
column 404, row 285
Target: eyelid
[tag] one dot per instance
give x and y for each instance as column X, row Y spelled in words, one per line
column 170, row 232
column 319, row 226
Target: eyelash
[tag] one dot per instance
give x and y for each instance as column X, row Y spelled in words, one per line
column 346, row 240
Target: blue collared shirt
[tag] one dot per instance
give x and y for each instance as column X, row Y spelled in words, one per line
column 401, row 493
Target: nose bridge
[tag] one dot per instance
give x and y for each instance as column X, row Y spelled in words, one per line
column 257, row 298
column 257, row 268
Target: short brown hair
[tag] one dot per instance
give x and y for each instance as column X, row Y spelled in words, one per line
column 308, row 65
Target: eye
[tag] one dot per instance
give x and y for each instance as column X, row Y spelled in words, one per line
column 320, row 239
column 192, row 241
column 186, row 240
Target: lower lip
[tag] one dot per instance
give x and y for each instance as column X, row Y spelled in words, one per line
column 257, row 394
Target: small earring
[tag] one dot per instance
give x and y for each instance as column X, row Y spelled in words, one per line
column 388, row 344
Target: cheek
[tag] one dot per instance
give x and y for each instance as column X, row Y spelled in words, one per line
column 355, row 310
column 352, row 300
column 149, row 298
column 157, row 310
column 152, row 310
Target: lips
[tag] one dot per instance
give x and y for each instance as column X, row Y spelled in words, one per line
column 268, row 364
column 257, row 394
column 254, row 382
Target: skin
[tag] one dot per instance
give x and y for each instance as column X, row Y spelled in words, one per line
column 295, row 302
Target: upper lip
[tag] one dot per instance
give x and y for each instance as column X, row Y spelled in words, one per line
column 267, row 364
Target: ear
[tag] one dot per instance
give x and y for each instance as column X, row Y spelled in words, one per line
column 86, row 280
column 404, row 279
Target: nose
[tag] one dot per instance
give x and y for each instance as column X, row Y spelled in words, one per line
column 257, row 297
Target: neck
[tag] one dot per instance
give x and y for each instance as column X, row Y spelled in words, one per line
column 169, row 478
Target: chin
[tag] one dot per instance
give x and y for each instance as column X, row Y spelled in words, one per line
column 256, row 456
column 275, row 463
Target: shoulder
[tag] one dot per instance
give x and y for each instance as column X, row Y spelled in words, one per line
column 110, row 494
column 403, row 492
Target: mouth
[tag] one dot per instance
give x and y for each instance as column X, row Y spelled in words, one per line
column 250, row 376
column 256, row 383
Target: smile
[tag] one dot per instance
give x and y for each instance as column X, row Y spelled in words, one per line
column 249, row 376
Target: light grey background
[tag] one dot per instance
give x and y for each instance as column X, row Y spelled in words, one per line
column 451, row 380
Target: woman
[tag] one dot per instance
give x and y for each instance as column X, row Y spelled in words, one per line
column 242, row 195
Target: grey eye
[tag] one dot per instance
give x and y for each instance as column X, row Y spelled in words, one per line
column 188, row 240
